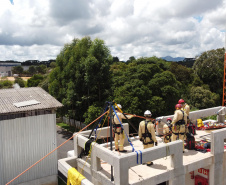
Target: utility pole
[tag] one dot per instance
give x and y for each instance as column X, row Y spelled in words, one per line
column 111, row 136
column 224, row 79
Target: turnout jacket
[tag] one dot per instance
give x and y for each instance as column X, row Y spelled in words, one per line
column 186, row 109
column 150, row 128
column 178, row 115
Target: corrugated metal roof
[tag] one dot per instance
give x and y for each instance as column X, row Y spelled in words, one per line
column 10, row 96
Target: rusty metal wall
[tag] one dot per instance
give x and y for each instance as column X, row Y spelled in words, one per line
column 23, row 141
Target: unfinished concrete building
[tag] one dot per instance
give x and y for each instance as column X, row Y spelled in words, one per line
column 171, row 165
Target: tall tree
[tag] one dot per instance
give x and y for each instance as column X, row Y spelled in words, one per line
column 18, row 70
column 209, row 66
column 81, row 77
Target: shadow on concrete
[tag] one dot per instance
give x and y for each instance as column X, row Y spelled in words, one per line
column 159, row 166
column 190, row 152
column 65, row 134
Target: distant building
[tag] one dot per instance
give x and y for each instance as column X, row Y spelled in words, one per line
column 28, row 133
column 6, row 68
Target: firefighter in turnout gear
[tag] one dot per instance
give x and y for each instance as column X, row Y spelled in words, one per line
column 178, row 124
column 147, row 133
column 119, row 133
column 185, row 106
column 186, row 109
column 167, row 130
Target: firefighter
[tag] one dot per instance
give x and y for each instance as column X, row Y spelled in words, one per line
column 119, row 133
column 178, row 124
column 167, row 130
column 146, row 133
column 186, row 109
column 185, row 106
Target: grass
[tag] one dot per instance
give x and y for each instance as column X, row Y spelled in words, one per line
column 66, row 127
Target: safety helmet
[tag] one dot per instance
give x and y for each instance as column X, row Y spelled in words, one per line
column 169, row 119
column 118, row 106
column 181, row 101
column 147, row 113
column 178, row 106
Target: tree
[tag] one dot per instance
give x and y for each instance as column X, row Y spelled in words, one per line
column 82, row 76
column 18, row 70
column 209, row 66
column 41, row 69
column 34, row 80
column 5, row 84
column 53, row 64
column 20, row 82
column 32, row 70
column 202, row 98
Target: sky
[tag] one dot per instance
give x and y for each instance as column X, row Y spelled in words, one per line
column 38, row 29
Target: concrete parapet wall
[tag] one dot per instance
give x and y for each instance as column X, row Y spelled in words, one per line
column 174, row 173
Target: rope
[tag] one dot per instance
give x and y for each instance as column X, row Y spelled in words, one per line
column 54, row 149
column 94, row 143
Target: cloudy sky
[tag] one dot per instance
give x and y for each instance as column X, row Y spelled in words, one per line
column 38, row 29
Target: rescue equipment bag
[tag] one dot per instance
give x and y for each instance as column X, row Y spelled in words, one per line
column 191, row 129
column 88, row 145
column 199, row 123
column 190, row 142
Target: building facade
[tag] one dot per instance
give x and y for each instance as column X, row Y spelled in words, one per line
column 27, row 133
column 6, row 68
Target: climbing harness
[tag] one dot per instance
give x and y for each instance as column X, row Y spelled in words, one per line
column 123, row 129
column 178, row 125
column 147, row 134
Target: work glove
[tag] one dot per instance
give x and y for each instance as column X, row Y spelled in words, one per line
column 156, row 143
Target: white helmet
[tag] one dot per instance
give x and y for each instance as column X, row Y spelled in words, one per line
column 119, row 106
column 147, row 113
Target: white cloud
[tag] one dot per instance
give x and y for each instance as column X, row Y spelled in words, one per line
column 32, row 29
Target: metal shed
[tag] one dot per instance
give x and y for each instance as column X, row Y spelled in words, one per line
column 27, row 133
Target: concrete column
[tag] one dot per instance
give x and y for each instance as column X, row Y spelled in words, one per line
column 217, row 149
column 220, row 118
column 180, row 180
column 77, row 148
column 95, row 161
column 121, row 172
column 177, row 164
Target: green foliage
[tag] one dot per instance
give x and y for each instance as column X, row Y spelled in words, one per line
column 66, row 127
column 143, row 84
column 20, row 81
column 202, row 98
column 34, row 80
column 44, row 83
column 53, row 64
column 209, row 66
column 18, row 70
column 41, row 69
column 32, row 70
column 82, row 76
column 4, row 84
column 92, row 113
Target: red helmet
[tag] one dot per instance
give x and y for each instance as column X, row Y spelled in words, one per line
column 181, row 101
column 178, row 106
column 169, row 119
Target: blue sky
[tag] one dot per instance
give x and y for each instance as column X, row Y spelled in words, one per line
column 38, row 29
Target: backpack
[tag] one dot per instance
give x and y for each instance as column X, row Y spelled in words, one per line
column 190, row 142
column 191, row 129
